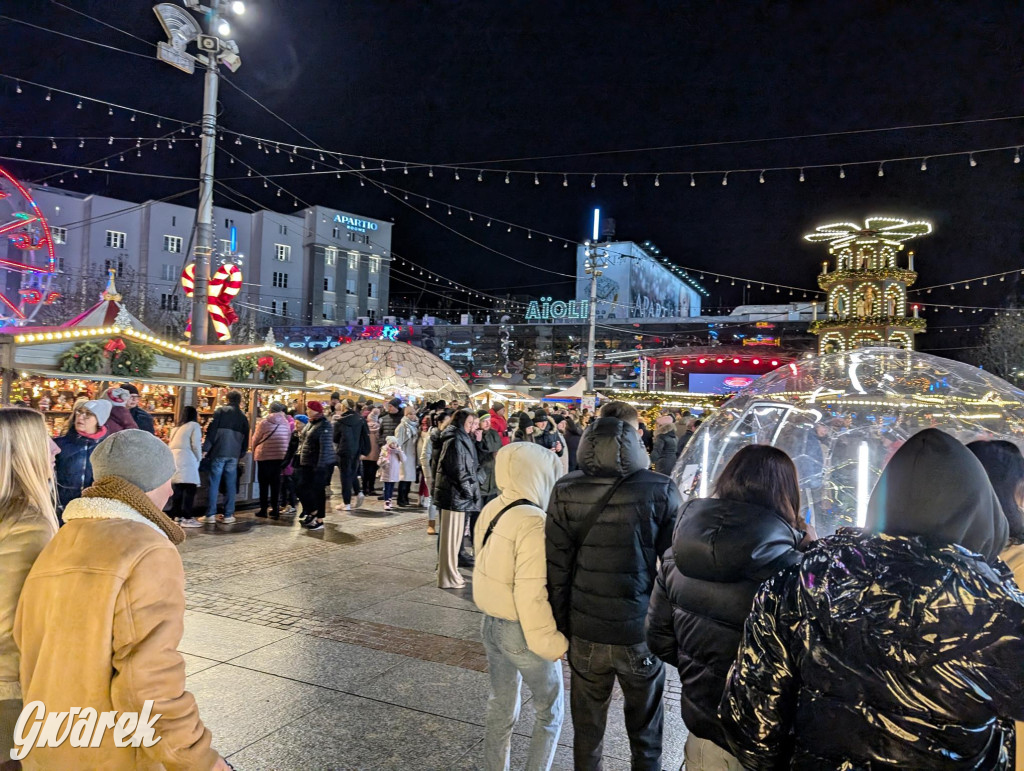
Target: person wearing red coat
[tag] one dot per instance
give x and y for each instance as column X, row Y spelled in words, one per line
column 120, row 416
column 499, row 423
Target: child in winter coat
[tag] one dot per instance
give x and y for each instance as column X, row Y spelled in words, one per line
column 390, row 463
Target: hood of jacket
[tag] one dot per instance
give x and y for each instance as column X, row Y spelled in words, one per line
column 524, row 470
column 729, row 541
column 278, row 418
column 350, row 420
column 611, row 448
column 936, row 488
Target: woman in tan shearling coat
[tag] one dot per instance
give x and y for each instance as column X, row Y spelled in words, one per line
column 27, row 523
column 510, row 587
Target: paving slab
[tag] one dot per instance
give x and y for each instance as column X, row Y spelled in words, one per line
column 438, row 689
column 222, row 639
column 449, row 622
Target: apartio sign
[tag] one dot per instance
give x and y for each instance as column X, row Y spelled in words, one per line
column 354, row 223
column 545, row 309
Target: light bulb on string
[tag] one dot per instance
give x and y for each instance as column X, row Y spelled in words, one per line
column 53, row 143
column 456, row 175
column 133, row 117
column 924, row 164
column 972, row 161
column 801, row 175
column 81, row 143
column 1016, row 155
column 693, row 182
column 449, row 211
column 49, row 96
column 79, row 105
column 509, row 228
column 593, row 181
column 760, row 177
column 657, row 180
column 428, row 203
column 506, row 178
column 625, row 180
column 529, row 234
column 430, row 172
column 159, row 124
column 565, row 181
column 842, row 173
column 725, row 178
column 17, row 87
column 881, row 169
column 19, row 144
column 536, row 178
column 488, row 223
column 138, row 153
column 480, row 176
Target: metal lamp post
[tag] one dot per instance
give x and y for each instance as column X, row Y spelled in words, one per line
column 214, row 50
column 595, row 265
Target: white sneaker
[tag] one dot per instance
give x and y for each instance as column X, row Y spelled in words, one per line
column 228, row 520
column 211, row 520
column 359, row 500
column 191, row 522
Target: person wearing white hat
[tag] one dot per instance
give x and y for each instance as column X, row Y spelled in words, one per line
column 120, row 418
column 73, row 465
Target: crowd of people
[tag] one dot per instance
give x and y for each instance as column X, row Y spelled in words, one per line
column 895, row 645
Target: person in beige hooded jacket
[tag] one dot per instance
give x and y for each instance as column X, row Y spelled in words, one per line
column 102, row 612
column 510, row 587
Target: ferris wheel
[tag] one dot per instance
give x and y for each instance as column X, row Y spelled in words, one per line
column 28, row 260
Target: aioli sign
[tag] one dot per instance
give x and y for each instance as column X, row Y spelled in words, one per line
column 545, row 309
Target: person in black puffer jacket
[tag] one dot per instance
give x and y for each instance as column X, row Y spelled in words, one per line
column 317, row 458
column 600, row 582
column 456, row 491
column 351, row 441
column 390, row 419
column 899, row 646
column 666, row 446
column 723, row 548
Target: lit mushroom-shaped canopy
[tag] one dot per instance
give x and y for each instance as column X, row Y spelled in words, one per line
column 387, row 367
column 886, row 230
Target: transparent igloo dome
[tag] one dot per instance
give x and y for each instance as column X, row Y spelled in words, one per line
column 387, row 367
column 842, row 416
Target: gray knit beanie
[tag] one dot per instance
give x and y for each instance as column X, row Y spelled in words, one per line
column 135, row 456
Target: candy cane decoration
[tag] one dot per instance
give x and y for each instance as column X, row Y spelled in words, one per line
column 224, row 286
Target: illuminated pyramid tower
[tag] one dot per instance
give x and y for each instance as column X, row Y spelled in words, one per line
column 867, row 289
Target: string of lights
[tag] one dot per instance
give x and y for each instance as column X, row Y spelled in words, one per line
column 966, row 283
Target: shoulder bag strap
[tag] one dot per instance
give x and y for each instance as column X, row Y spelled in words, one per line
column 594, row 513
column 498, row 516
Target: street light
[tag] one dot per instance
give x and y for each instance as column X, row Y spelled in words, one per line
column 238, row 7
column 182, row 28
column 594, row 267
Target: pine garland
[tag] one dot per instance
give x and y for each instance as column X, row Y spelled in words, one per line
column 84, row 358
column 134, row 360
column 243, row 367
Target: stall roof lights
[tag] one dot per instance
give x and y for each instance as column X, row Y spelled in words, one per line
column 70, row 334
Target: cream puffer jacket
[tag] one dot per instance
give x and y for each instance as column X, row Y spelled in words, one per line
column 24, row 532
column 510, row 577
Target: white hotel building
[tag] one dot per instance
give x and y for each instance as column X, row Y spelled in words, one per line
column 315, row 267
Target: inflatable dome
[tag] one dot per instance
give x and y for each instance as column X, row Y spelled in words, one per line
column 840, row 417
column 387, row 368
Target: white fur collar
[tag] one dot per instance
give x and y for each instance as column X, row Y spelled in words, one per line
column 105, row 508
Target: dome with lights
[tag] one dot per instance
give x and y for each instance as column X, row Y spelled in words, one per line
column 386, row 367
column 841, row 416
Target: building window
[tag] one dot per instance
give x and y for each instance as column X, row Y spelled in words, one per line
column 284, row 252
column 284, row 308
column 374, row 264
column 225, row 246
column 359, row 238
column 282, row 230
column 113, row 265
column 60, row 264
column 279, row 280
column 169, row 302
column 273, row 307
column 350, row 286
column 228, row 224
column 330, row 256
column 328, row 312
column 353, row 261
column 328, row 283
column 174, row 222
column 369, row 290
column 335, row 232
column 172, row 244
column 60, row 235
column 116, row 239
column 168, row 272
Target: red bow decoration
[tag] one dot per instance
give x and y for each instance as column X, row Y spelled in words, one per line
column 265, row 362
column 114, row 344
column 225, row 284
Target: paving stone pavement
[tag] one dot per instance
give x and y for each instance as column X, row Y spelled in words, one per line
column 335, row 650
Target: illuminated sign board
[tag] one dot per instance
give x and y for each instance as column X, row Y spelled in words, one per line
column 545, row 309
column 354, row 223
column 371, row 332
column 761, row 340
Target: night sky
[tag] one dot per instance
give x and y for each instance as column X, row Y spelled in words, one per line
column 473, row 82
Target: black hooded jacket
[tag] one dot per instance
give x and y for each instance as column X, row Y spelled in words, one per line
column 898, row 649
column 721, row 553
column 351, row 438
column 599, row 591
column 456, row 484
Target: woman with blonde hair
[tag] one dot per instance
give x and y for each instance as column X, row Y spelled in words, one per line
column 27, row 523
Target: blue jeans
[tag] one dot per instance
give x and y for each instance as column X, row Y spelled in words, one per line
column 509, row 662
column 228, row 468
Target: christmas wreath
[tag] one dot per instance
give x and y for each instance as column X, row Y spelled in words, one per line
column 130, row 358
column 273, row 371
column 82, row 358
column 243, row 367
